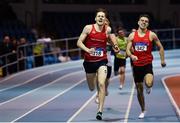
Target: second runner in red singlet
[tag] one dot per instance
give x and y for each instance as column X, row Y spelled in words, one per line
column 142, row 49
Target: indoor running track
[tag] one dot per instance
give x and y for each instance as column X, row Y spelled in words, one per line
column 59, row 93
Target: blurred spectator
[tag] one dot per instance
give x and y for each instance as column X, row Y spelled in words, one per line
column 49, row 57
column 35, row 32
column 14, row 44
column 22, row 53
column 6, row 47
column 63, row 57
column 38, row 49
column 13, row 67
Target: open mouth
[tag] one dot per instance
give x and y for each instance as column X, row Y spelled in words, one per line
column 100, row 21
column 143, row 25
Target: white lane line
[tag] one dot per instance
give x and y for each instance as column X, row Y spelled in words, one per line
column 56, row 80
column 8, row 78
column 132, row 93
column 43, row 68
column 129, row 104
column 85, row 104
column 29, row 80
column 130, row 98
column 82, row 108
column 19, row 73
column 79, row 82
column 169, row 94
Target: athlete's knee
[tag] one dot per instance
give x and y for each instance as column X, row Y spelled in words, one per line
column 149, row 80
column 122, row 72
column 101, row 85
column 149, row 84
column 149, row 77
column 102, row 72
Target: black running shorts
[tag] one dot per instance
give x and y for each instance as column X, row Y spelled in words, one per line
column 119, row 63
column 140, row 72
column 92, row 67
column 109, row 70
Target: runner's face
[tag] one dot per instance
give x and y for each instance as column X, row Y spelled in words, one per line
column 143, row 22
column 121, row 33
column 100, row 18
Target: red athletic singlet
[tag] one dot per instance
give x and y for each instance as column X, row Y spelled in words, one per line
column 98, row 41
column 142, row 49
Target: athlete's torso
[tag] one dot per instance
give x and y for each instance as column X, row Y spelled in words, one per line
column 122, row 43
column 98, row 41
column 142, row 49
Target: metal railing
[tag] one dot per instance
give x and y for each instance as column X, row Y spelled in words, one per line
column 27, row 57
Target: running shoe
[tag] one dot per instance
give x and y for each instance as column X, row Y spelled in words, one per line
column 120, row 87
column 141, row 116
column 99, row 116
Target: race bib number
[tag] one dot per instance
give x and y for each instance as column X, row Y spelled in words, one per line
column 98, row 52
column 141, row 47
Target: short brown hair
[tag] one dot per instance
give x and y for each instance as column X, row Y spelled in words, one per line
column 119, row 28
column 144, row 15
column 102, row 10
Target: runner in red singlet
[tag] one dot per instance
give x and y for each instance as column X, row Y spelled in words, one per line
column 93, row 41
column 142, row 42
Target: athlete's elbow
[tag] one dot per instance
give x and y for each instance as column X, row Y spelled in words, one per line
column 161, row 49
column 78, row 44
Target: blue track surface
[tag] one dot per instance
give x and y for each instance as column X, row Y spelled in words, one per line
column 59, row 93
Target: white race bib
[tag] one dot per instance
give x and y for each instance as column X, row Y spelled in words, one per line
column 98, row 52
column 141, row 46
